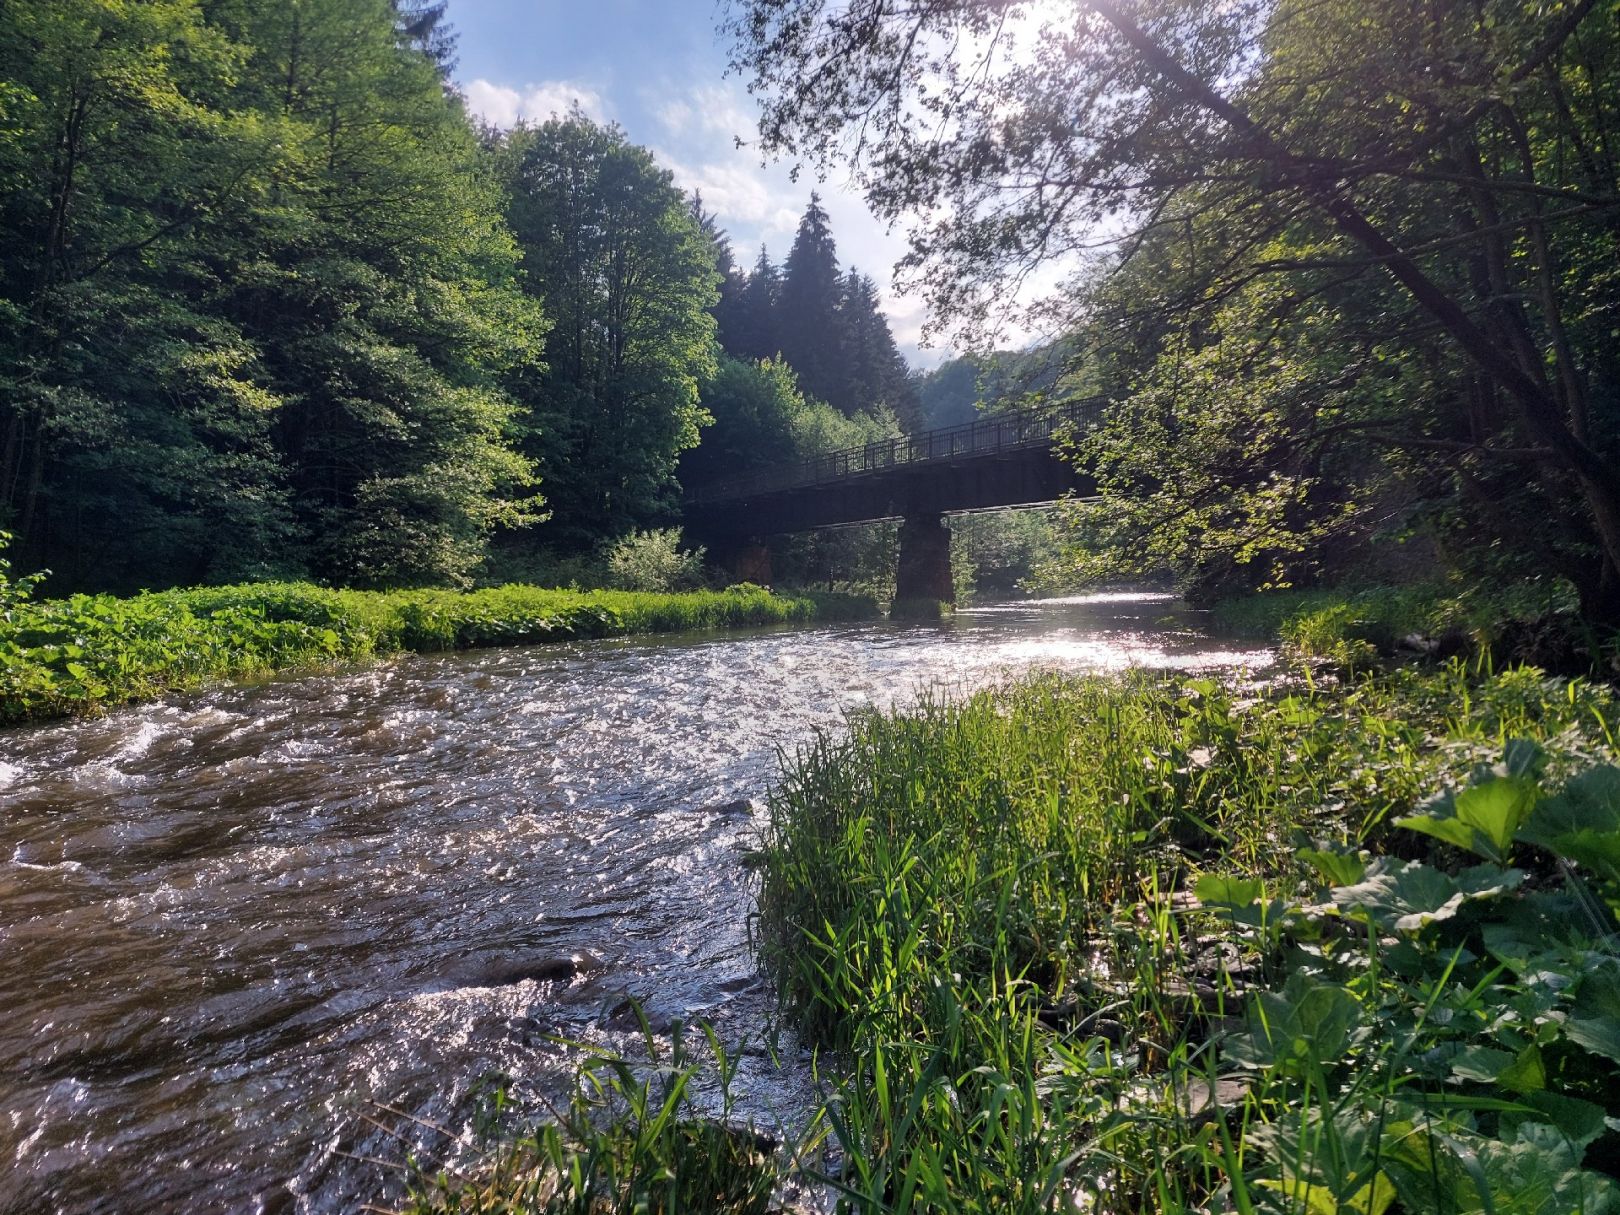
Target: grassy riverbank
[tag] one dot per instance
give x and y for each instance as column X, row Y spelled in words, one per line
column 1355, row 628
column 1155, row 944
column 60, row 657
column 1150, row 945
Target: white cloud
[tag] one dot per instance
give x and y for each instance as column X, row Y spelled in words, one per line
column 706, row 108
column 739, row 194
column 676, row 116
column 505, row 106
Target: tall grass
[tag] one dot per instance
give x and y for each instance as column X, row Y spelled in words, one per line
column 1153, row 944
column 985, row 912
column 1354, row 627
column 629, row 1140
column 64, row 656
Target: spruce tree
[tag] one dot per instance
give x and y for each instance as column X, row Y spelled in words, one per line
column 807, row 317
column 875, row 373
column 728, row 311
column 755, row 326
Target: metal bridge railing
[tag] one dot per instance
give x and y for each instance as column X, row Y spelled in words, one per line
column 986, row 437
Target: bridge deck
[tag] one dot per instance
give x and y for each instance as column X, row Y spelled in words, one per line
column 988, row 437
column 1003, row 460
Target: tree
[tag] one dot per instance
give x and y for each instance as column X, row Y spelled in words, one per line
column 755, row 331
column 755, row 407
column 134, row 438
column 729, row 311
column 259, row 297
column 379, row 284
column 1459, row 154
column 875, row 373
column 807, row 311
column 422, row 24
column 628, row 277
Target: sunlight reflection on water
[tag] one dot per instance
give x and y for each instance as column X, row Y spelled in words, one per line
column 234, row 920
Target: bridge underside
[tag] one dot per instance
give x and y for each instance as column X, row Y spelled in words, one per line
column 921, row 494
column 905, row 491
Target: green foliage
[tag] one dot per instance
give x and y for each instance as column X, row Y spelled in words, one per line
column 857, row 560
column 1002, row 552
column 976, row 905
column 632, row 1140
column 807, row 312
column 827, row 326
column 1348, row 299
column 654, row 561
column 1468, row 1060
column 79, row 655
column 629, row 277
column 962, row 390
column 260, row 304
column 1353, row 628
column 762, row 420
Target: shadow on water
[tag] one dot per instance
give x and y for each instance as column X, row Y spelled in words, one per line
column 232, row 922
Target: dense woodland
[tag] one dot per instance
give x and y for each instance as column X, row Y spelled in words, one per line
column 1349, row 269
column 274, row 305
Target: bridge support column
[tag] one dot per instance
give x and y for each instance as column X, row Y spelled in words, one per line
column 922, row 586
column 746, row 561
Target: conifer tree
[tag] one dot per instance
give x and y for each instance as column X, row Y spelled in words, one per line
column 807, row 316
column 728, row 310
column 875, row 372
column 755, row 326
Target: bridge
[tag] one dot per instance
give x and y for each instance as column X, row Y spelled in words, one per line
column 1001, row 461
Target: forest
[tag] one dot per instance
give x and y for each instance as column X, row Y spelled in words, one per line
column 276, row 306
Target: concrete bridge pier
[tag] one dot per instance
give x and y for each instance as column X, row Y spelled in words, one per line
column 745, row 561
column 922, row 584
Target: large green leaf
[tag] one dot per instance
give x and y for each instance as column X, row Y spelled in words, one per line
column 1224, row 890
column 1307, row 1024
column 1543, row 931
column 1482, row 818
column 1337, row 865
column 1406, row 896
column 1328, row 1165
column 1594, row 1020
column 1533, row 1170
column 1527, row 1073
column 1581, row 1122
column 1582, row 823
column 1537, row 1172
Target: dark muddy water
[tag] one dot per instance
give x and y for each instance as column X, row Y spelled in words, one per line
column 232, row 925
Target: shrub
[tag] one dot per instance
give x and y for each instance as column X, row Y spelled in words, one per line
column 654, row 561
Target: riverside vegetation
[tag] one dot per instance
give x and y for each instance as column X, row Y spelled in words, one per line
column 60, row 657
column 1152, row 943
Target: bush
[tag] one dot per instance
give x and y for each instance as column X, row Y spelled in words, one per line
column 654, row 561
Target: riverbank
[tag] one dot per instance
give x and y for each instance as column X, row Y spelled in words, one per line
column 64, row 657
column 1158, row 944
column 1358, row 628
column 1153, row 944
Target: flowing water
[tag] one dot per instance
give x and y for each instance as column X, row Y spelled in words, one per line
column 237, row 925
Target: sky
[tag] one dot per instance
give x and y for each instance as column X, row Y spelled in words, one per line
column 658, row 68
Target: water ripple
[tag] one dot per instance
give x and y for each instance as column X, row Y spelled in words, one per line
column 233, row 921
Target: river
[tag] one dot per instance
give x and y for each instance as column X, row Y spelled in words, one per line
column 234, row 925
